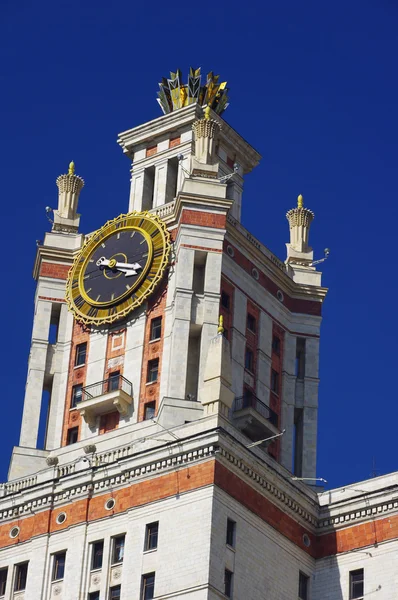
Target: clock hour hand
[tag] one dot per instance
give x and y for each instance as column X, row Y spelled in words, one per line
column 127, row 268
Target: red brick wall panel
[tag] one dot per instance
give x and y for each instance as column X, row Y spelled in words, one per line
column 54, row 270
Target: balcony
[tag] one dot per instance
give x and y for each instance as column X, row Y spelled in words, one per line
column 105, row 396
column 254, row 418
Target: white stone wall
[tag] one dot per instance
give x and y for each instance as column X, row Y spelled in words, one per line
column 181, row 561
column 264, row 563
column 332, row 574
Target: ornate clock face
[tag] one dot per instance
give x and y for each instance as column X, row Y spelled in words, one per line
column 118, row 267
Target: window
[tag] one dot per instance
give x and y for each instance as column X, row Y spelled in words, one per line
column 59, row 566
column 3, row 581
column 94, row 596
column 114, row 593
column 149, row 411
column 77, row 392
column 249, row 360
column 73, row 434
column 231, row 526
column 225, row 300
column 276, row 345
column 251, row 323
column 151, row 536
column 81, row 351
column 156, row 328
column 300, row 358
column 228, row 577
column 303, row 586
column 114, row 380
column 109, row 422
column 153, row 368
column 118, row 549
column 21, row 574
column 356, row 584
column 274, row 381
column 97, row 554
column 148, row 586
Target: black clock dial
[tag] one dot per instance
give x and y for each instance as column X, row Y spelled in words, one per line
column 115, row 267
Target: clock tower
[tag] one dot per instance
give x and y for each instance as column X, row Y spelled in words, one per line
column 174, row 359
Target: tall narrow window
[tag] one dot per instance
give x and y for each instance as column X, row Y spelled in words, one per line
column 118, row 549
column 151, row 536
column 156, row 328
column 148, row 188
column 251, row 323
column 303, row 586
column 80, row 357
column 225, row 301
column 108, row 422
column 72, row 437
column 97, row 549
column 114, row 592
column 300, row 358
column 148, row 586
column 356, row 584
column 149, row 410
column 228, row 580
column 114, row 380
column 77, row 392
column 153, row 368
column 231, row 526
column 249, row 360
column 276, row 345
column 3, row 581
column 274, row 381
column 58, row 566
column 21, row 574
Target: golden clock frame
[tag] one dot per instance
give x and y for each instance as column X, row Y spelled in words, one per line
column 90, row 312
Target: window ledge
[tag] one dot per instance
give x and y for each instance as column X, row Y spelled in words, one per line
column 116, row 564
column 97, row 570
column 150, row 551
column 57, row 580
column 154, row 340
column 79, row 366
column 151, row 382
column 230, row 548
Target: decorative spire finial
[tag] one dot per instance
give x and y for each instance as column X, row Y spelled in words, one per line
column 220, row 328
column 300, row 201
column 71, row 170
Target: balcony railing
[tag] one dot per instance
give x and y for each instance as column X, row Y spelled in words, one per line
column 250, row 401
column 113, row 383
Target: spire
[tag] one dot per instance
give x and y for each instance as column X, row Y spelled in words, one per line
column 69, row 187
column 300, row 219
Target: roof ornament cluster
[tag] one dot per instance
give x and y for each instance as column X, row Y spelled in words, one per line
column 173, row 94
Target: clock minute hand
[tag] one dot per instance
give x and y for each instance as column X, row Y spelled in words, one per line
column 128, row 269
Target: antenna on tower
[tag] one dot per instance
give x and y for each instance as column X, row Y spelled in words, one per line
column 321, row 260
column 374, row 472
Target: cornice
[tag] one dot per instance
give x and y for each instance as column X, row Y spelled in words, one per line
column 272, row 266
column 51, row 254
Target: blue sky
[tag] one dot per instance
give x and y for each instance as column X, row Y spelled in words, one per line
column 313, row 88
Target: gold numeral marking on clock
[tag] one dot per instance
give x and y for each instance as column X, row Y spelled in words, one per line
column 158, row 252
column 118, row 236
column 121, row 224
column 98, row 297
column 89, row 290
column 142, row 241
column 155, row 233
column 112, row 311
column 140, row 223
column 75, row 283
column 133, row 234
column 93, row 312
